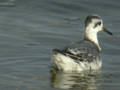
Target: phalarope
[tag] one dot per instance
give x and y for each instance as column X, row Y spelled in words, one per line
column 83, row 55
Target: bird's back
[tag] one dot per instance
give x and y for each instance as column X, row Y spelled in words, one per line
column 82, row 51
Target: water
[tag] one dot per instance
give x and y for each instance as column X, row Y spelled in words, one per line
column 30, row 29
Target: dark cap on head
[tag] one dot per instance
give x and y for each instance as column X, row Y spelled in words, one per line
column 89, row 19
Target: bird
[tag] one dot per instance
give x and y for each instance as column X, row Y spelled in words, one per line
column 82, row 55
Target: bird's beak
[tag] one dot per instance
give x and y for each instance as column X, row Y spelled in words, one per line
column 105, row 30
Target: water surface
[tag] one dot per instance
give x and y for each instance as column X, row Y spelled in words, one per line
column 30, row 29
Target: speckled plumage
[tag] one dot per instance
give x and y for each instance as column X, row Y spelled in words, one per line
column 80, row 51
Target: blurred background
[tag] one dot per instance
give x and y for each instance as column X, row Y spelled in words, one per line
column 30, row 29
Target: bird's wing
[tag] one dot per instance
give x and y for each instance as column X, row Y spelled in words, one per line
column 80, row 52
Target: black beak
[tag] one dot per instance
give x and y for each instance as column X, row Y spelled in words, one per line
column 105, row 30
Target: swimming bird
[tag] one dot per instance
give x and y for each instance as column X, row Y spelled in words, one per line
column 82, row 55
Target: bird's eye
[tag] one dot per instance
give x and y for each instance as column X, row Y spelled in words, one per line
column 98, row 23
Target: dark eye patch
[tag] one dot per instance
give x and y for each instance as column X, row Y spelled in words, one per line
column 98, row 23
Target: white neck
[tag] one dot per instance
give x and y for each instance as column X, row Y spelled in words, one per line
column 92, row 36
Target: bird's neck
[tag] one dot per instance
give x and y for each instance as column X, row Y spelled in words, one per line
column 91, row 35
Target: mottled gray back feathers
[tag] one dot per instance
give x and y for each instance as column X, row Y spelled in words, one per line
column 82, row 51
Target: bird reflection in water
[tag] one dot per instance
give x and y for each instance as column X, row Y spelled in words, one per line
column 83, row 81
